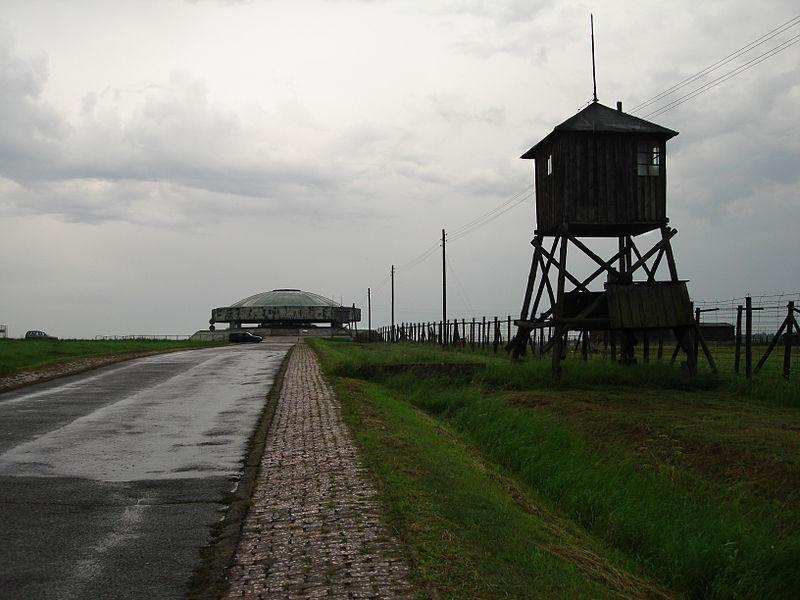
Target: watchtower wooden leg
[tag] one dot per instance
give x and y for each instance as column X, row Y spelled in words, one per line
column 558, row 311
column 685, row 337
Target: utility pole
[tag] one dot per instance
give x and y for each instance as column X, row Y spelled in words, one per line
column 369, row 315
column 594, row 77
column 444, row 293
column 393, row 304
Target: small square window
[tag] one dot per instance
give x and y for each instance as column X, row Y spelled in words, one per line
column 648, row 159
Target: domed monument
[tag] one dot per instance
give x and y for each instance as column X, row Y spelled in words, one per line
column 284, row 312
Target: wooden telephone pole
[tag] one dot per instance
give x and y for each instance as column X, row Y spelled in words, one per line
column 444, row 293
column 393, row 336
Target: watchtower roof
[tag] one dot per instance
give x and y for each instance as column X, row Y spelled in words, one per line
column 597, row 118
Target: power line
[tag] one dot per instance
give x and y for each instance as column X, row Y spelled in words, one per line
column 470, row 227
column 461, row 288
column 720, row 63
column 723, row 78
column 473, row 225
column 420, row 258
column 490, row 216
column 512, row 199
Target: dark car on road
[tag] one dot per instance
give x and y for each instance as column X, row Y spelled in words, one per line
column 244, row 336
column 35, row 334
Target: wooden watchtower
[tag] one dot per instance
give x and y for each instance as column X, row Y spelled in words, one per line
column 602, row 174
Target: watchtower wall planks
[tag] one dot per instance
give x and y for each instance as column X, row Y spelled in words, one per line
column 594, row 185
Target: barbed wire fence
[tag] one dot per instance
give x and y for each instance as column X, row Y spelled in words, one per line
column 154, row 337
column 769, row 311
column 761, row 322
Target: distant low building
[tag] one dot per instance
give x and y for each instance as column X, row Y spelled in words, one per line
column 723, row 333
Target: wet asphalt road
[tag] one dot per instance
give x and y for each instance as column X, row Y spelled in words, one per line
column 110, row 481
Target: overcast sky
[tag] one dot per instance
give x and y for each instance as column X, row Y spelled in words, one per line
column 160, row 159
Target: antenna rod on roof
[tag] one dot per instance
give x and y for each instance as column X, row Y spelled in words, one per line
column 594, row 77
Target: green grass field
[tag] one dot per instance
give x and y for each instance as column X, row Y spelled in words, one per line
column 16, row 354
column 615, row 482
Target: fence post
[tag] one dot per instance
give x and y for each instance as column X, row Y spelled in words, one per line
column 787, row 353
column 613, row 338
column 748, row 339
column 496, row 334
column 738, row 353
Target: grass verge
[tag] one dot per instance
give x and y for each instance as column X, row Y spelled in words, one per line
column 691, row 483
column 17, row 355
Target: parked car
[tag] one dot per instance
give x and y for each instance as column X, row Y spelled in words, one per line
column 35, row 334
column 244, row 336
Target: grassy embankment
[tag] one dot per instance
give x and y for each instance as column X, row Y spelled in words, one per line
column 617, row 482
column 16, row 354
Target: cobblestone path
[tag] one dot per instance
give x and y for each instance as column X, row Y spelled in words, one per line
column 314, row 530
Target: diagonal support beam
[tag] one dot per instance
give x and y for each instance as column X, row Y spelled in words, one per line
column 574, row 280
column 545, row 282
column 605, row 265
column 656, row 264
column 650, row 274
column 664, row 243
column 673, row 270
column 537, row 250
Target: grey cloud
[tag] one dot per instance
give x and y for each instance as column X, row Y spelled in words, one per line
column 504, row 28
column 423, row 174
column 455, row 108
column 106, row 166
column 508, row 12
column 31, row 129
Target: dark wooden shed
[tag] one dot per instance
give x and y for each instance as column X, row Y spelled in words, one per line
column 603, row 172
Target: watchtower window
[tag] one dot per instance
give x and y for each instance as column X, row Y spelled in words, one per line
column 648, row 158
column 549, row 164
